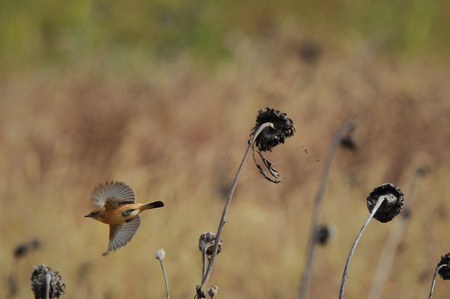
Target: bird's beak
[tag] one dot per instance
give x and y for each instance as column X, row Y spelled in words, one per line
column 87, row 216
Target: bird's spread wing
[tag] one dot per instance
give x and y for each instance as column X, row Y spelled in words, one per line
column 113, row 190
column 121, row 234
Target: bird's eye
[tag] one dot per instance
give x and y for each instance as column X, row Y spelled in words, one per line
column 94, row 213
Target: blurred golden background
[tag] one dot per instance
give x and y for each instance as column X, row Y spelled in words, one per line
column 162, row 95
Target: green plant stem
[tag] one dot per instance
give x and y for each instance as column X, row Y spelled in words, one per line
column 434, row 279
column 165, row 277
column 352, row 250
column 317, row 207
column 227, row 204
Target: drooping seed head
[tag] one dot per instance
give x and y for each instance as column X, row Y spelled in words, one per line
column 444, row 272
column 392, row 204
column 283, row 127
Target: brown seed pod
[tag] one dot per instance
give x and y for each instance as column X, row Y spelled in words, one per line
column 391, row 205
column 207, row 241
column 38, row 282
column 213, row 291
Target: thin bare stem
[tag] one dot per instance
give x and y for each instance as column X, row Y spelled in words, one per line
column 434, row 279
column 227, row 204
column 165, row 276
column 317, row 205
column 386, row 258
column 11, row 280
column 390, row 246
column 203, row 261
column 352, row 250
column 48, row 278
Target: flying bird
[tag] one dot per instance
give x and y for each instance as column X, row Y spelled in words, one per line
column 118, row 208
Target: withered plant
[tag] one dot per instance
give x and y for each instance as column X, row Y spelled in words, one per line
column 46, row 284
column 443, row 268
column 342, row 136
column 160, row 255
column 384, row 203
column 393, row 240
column 271, row 129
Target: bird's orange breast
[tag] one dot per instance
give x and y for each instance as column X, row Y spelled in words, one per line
column 116, row 216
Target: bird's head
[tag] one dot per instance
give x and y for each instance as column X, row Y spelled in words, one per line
column 96, row 214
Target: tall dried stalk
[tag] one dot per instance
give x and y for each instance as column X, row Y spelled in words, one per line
column 160, row 255
column 227, row 204
column 352, row 250
column 384, row 203
column 392, row 242
column 345, row 129
column 434, row 279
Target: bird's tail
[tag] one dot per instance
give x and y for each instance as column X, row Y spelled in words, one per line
column 153, row 205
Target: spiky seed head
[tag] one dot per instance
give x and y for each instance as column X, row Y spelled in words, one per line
column 207, row 241
column 391, row 205
column 444, row 272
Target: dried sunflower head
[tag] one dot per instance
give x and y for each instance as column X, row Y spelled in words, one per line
column 281, row 127
column 444, row 272
column 392, row 204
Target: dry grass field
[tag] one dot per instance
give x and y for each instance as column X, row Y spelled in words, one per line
column 176, row 132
